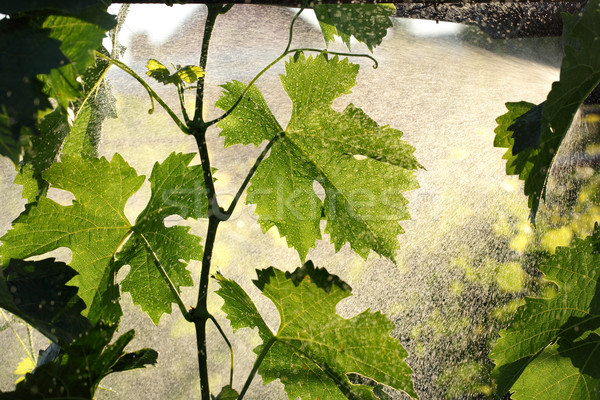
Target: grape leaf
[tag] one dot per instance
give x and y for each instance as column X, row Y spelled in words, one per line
column 77, row 373
column 36, row 292
column 55, row 49
column 102, row 239
column 363, row 167
column 314, row 348
column 79, row 38
column 188, row 74
column 26, row 52
column 227, row 393
column 368, row 23
column 551, row 376
column 568, row 318
column 540, row 130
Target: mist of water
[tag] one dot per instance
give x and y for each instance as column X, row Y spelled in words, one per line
column 460, row 261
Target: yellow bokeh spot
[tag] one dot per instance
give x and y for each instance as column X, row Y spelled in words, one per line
column 464, row 264
column 25, row 366
column 507, row 312
column 502, row 227
column 221, row 255
column 520, row 242
column 458, row 154
column 456, row 287
column 592, row 118
column 182, row 328
column 557, row 237
column 510, row 277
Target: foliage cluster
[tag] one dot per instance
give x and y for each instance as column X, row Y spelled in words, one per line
column 50, row 120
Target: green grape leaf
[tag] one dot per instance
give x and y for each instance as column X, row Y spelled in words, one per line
column 368, row 23
column 551, row 376
column 25, row 177
column 227, row 393
column 362, row 167
column 99, row 104
column 153, row 248
column 538, row 132
column 102, row 239
column 78, row 372
column 36, row 292
column 79, row 38
column 568, row 318
column 314, row 348
column 188, row 74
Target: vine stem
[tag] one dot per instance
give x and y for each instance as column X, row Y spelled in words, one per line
column 200, row 314
column 151, row 92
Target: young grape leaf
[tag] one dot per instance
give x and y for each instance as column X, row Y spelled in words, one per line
column 36, row 292
column 188, row 74
column 362, row 167
column 538, row 132
column 102, row 239
column 78, row 372
column 315, row 349
column 368, row 23
column 569, row 318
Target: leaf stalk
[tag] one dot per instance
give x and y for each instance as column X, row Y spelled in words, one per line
column 153, row 95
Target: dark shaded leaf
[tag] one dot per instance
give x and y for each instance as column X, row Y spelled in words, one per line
column 36, row 292
column 77, row 373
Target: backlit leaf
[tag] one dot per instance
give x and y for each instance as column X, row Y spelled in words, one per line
column 362, row 167
column 571, row 319
column 314, row 348
column 551, row 376
column 537, row 132
column 187, row 74
column 101, row 237
column 368, row 23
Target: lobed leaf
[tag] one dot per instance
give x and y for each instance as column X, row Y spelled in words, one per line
column 538, row 131
column 315, row 349
column 368, row 23
column 571, row 319
column 102, row 239
column 362, row 167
